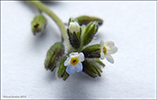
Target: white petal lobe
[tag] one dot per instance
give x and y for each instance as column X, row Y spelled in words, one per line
column 81, row 57
column 109, row 58
column 74, row 54
column 70, row 69
column 113, row 50
column 67, row 61
column 102, row 56
column 102, row 43
column 109, row 43
column 78, row 67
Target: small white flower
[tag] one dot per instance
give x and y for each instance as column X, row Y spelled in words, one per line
column 108, row 48
column 74, row 27
column 73, row 62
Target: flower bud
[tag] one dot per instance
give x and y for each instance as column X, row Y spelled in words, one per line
column 92, row 51
column 74, row 32
column 87, row 19
column 53, row 55
column 89, row 33
column 74, row 27
column 38, row 24
column 71, row 20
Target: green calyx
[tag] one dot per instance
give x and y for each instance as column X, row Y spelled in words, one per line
column 74, row 39
column 84, row 20
column 99, row 62
column 91, row 68
column 53, row 55
column 92, row 51
column 89, row 33
column 61, row 73
column 38, row 24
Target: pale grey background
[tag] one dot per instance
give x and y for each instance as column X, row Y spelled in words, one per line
column 131, row 25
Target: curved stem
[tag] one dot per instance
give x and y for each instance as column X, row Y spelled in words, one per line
column 60, row 24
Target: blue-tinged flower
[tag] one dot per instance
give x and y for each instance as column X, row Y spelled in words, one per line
column 74, row 62
column 107, row 48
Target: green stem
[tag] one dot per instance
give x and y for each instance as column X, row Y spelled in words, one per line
column 60, row 24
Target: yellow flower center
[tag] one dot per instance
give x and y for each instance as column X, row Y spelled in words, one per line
column 104, row 50
column 74, row 61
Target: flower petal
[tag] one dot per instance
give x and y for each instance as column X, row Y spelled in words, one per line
column 102, row 56
column 78, row 67
column 109, row 43
column 102, row 43
column 70, row 69
column 112, row 50
column 74, row 54
column 81, row 57
column 109, row 58
column 67, row 61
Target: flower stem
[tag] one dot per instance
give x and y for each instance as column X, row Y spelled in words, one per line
column 60, row 24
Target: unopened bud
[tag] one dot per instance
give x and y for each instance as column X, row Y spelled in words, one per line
column 89, row 33
column 38, row 24
column 74, row 27
column 74, row 32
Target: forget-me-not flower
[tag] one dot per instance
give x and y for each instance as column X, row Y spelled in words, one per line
column 74, row 62
column 108, row 48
